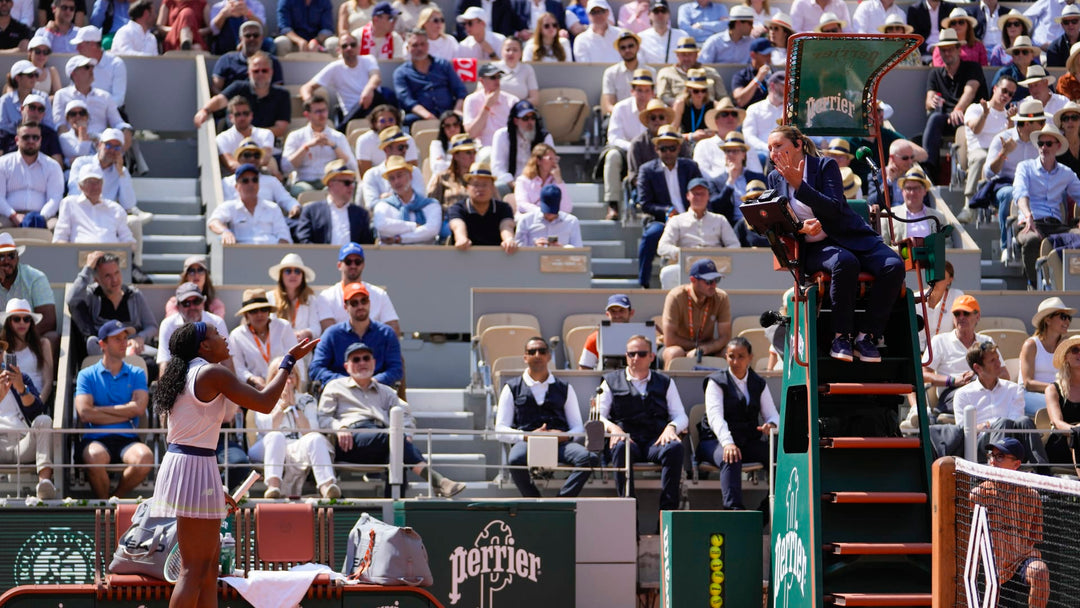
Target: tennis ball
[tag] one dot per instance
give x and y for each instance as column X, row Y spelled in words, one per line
column 715, row 601
column 716, row 565
column 715, row 589
column 717, row 540
column 717, row 577
column 714, row 552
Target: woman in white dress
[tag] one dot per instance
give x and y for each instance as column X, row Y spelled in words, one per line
column 294, row 301
column 33, row 353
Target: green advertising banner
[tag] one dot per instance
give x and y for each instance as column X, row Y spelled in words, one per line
column 832, row 80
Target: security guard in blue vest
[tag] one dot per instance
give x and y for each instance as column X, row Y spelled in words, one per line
column 538, row 403
column 646, row 406
column 735, row 401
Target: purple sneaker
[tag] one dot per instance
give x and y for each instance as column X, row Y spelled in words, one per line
column 841, row 349
column 866, row 350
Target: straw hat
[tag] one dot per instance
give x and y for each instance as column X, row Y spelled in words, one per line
column 1030, row 110
column 686, row 44
column 1070, row 10
column 852, row 183
column 479, row 171
column 783, row 20
column 7, row 244
column 335, row 169
column 1023, row 42
column 1070, row 108
column 947, row 37
column 655, row 105
column 391, row 135
column 839, row 147
column 753, row 189
column 959, row 14
column 734, row 141
column 643, row 76
column 19, row 306
column 254, row 299
column 667, row 133
column 1070, row 63
column 292, row 260
column 396, row 163
column 723, row 105
column 696, row 78
column 461, row 143
column 1051, row 130
column 893, row 20
column 623, row 36
column 915, row 174
column 1048, row 307
column 1036, row 73
column 1014, row 15
column 829, row 17
column 1063, row 348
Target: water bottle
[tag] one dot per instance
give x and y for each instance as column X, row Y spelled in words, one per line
column 228, row 554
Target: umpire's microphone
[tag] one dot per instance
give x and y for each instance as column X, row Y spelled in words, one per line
column 594, row 428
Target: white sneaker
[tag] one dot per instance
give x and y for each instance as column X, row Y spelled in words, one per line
column 272, row 492
column 1004, row 256
column 966, row 215
column 331, row 491
column 45, row 489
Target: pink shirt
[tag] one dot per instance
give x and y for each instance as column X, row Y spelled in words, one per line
column 968, row 52
column 496, row 117
column 527, row 194
column 627, row 22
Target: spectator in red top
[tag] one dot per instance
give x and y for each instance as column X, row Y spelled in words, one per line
column 618, row 310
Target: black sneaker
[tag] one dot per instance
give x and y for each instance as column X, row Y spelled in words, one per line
column 841, row 349
column 866, row 350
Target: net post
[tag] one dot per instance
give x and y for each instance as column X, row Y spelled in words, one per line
column 944, row 532
column 971, row 435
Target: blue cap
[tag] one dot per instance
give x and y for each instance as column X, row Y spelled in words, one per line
column 705, row 269
column 619, row 300
column 1010, row 445
column 550, row 198
column 383, row 8
column 761, row 45
column 355, row 346
column 523, row 108
column 245, row 168
column 349, row 249
column 697, row 181
column 113, row 327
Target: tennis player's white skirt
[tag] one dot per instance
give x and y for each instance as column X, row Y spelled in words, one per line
column 188, row 486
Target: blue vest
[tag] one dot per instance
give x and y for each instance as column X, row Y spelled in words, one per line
column 643, row 417
column 741, row 417
column 529, row 416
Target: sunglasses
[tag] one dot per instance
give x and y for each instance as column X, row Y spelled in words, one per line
column 196, row 270
column 361, row 358
column 291, row 271
column 30, row 137
column 630, row 354
column 27, row 319
column 1064, row 316
column 353, row 261
column 114, row 147
column 45, row 52
column 437, row 20
column 536, row 351
column 252, row 36
column 36, row 108
column 74, row 112
column 1043, row 143
column 698, row 91
column 551, row 26
column 349, row 45
column 528, row 118
column 1022, row 52
column 727, row 114
column 248, row 180
column 348, row 183
column 961, row 313
column 260, row 71
column 242, row 113
column 11, row 255
column 906, row 158
column 1070, row 21
column 668, row 148
column 190, row 303
column 1013, row 24
column 709, row 283
column 66, row 7
column 354, row 303
column 1070, row 118
column 657, row 117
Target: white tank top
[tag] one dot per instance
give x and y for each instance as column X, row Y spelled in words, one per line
column 28, row 363
column 1044, row 364
column 194, row 422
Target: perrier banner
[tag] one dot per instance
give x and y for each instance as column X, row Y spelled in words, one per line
column 832, row 80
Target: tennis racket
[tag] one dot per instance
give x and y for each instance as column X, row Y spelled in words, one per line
column 173, row 563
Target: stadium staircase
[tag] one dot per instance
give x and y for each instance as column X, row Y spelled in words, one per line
column 852, row 522
column 178, row 229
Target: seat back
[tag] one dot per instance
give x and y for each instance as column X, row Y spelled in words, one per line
column 1008, row 341
column 1042, row 422
column 311, row 196
column 758, row 341
column 565, row 112
column 505, row 365
column 574, row 342
column 861, row 207
column 284, row 535
column 504, row 341
column 687, row 364
column 1013, row 366
column 697, row 413
column 423, row 141
column 743, row 323
column 357, row 124
column 33, row 235
column 988, row 323
column 506, row 318
column 584, row 319
column 355, row 135
column 430, row 124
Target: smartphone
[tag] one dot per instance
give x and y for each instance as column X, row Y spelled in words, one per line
column 553, row 241
column 9, row 361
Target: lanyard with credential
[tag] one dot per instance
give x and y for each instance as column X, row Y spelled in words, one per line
column 264, row 353
column 696, row 335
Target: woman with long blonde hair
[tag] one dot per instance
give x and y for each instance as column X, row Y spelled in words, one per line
column 440, row 44
column 1063, row 400
column 546, row 45
column 540, row 170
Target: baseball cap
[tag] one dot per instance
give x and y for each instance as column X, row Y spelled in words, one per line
column 761, row 46
column 22, row 66
column 352, row 290
column 383, row 8
column 965, row 302
column 490, row 70
column 597, row 4
column 550, row 198
column 246, row 168
column 76, row 62
column 705, row 269
column 1010, row 445
column 91, row 171
column 74, row 104
column 112, row 135
column 350, row 249
column 357, row 346
column 697, row 181
column 251, row 23
column 187, row 291
column 87, row 33
column 36, row 98
column 113, row 327
column 523, row 108
column 619, row 300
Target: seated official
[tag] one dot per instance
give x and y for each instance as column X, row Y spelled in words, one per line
column 249, row 220
column 697, row 317
column 328, row 362
column 539, row 404
column 360, row 401
column 547, row 226
column 646, row 406
column 289, row 437
column 481, row 219
column 405, row 217
column 736, row 401
column 112, row 394
column 24, row 423
column 335, row 220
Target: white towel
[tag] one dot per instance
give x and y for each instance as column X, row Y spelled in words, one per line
column 277, row 588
